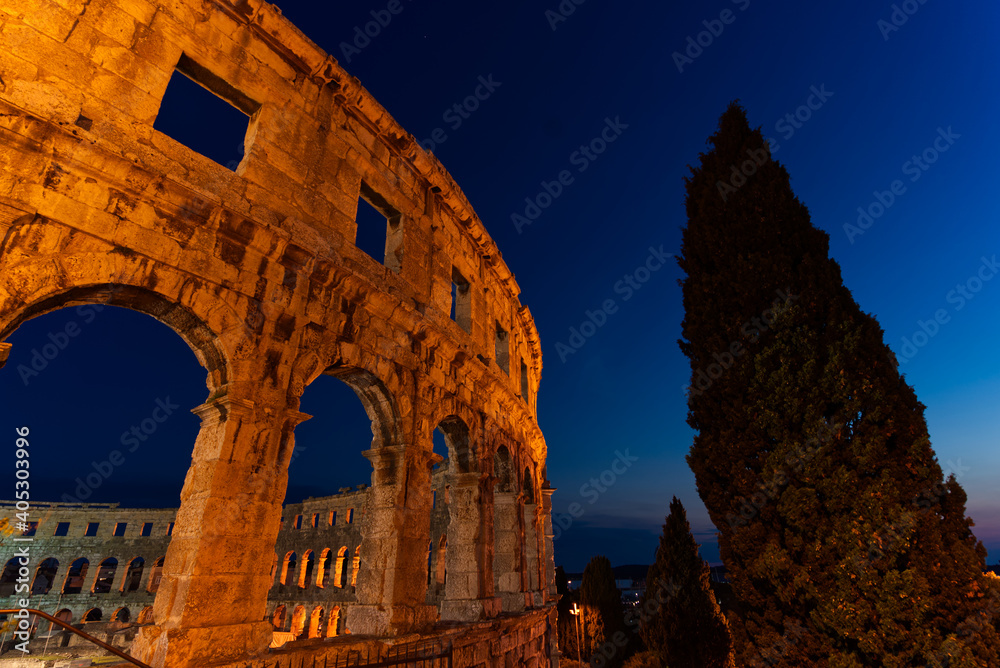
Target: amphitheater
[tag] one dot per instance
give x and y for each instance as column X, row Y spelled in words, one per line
column 256, row 267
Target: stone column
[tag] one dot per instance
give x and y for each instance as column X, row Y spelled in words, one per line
column 464, row 599
column 548, row 556
column 507, row 551
column 531, row 579
column 213, row 596
column 392, row 580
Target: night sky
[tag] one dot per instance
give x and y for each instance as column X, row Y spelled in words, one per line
column 853, row 102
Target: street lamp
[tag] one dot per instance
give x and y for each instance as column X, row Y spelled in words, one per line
column 575, row 611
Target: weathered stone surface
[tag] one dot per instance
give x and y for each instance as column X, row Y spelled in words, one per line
column 256, row 268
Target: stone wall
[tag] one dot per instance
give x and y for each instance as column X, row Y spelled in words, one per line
column 256, row 267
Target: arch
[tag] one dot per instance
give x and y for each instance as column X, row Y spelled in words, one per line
column 75, row 576
column 355, row 566
column 155, row 574
column 456, row 438
column 378, row 401
column 323, row 570
column 116, row 287
column 315, row 622
column 333, row 624
column 121, row 615
column 340, row 570
column 105, row 576
column 503, row 470
column 133, row 576
column 441, row 571
column 8, row 579
column 45, row 575
column 92, row 615
column 145, row 615
column 298, row 621
column 278, row 618
column 528, row 486
column 64, row 615
column 288, row 566
column 308, row 565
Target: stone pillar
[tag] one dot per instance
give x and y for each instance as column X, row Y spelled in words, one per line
column 507, row 551
column 464, row 599
column 548, row 556
column 212, row 598
column 531, row 579
column 392, row 581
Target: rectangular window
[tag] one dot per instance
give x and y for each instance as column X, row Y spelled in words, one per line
column 316, row 521
column 434, row 499
column 298, row 522
column 333, row 518
column 120, row 528
column 62, row 529
column 194, row 111
column 502, row 349
column 147, row 529
column 380, row 229
column 461, row 304
column 31, row 529
column 349, row 516
column 92, row 528
column 524, row 380
column 170, row 529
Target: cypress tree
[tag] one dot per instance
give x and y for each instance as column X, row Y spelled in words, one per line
column 844, row 543
column 603, row 614
column 683, row 623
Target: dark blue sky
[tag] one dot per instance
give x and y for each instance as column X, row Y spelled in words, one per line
column 880, row 96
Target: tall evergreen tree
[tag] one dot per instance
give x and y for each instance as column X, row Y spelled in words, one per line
column 844, row 543
column 684, row 625
column 603, row 614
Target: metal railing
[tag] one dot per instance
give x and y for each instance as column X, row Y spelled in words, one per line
column 86, row 636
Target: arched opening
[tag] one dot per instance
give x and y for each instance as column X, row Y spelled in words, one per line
column 155, row 575
column 288, row 568
column 121, row 615
column 441, row 571
column 45, row 576
column 133, row 576
column 278, row 618
column 355, row 566
column 323, row 574
column 64, row 615
column 298, row 621
column 75, row 576
column 92, row 615
column 308, row 565
column 315, row 622
column 8, row 579
column 145, row 615
column 454, row 435
column 340, row 570
column 105, row 576
column 333, row 625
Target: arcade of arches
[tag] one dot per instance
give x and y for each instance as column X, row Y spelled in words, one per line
column 257, row 270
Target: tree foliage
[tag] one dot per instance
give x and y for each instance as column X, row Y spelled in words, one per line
column 845, row 544
column 603, row 615
column 683, row 623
